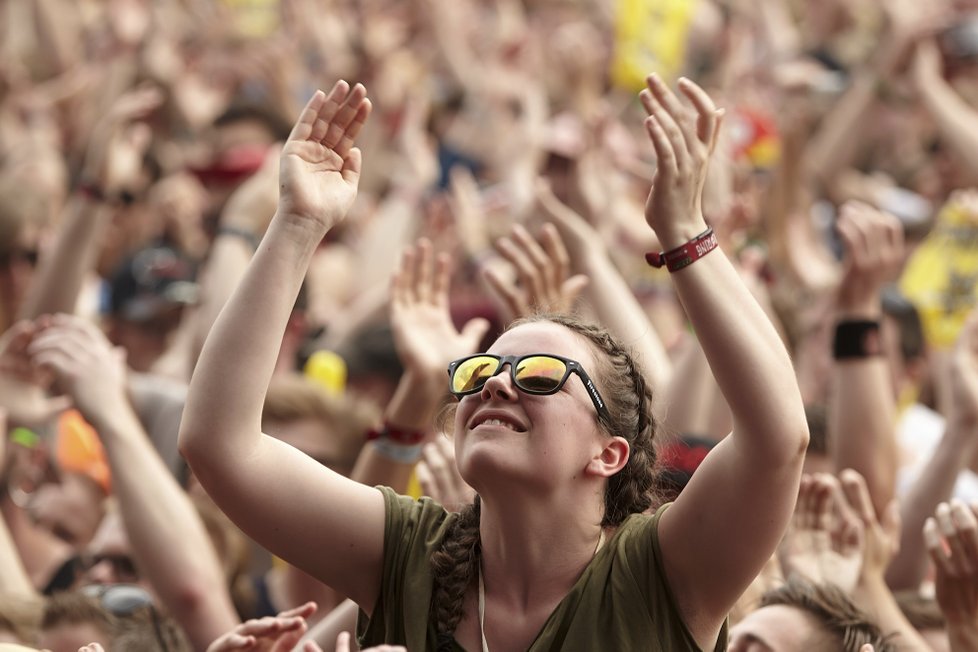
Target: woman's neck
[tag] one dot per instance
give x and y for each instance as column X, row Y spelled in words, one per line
column 528, row 556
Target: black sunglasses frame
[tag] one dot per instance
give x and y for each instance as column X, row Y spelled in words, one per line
column 571, row 367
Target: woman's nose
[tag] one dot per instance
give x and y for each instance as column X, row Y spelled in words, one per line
column 499, row 386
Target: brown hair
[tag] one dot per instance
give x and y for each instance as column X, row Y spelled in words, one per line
column 629, row 401
column 73, row 608
column 146, row 631
column 839, row 620
column 293, row 397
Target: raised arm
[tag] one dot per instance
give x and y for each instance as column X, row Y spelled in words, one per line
column 936, row 482
column 607, row 291
column 745, row 489
column 862, row 412
column 244, row 220
column 881, row 538
column 956, row 120
column 426, row 341
column 843, row 131
column 113, row 161
column 169, row 540
column 952, row 542
column 319, row 521
column 13, row 575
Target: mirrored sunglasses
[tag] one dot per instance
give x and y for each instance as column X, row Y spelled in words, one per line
column 534, row 373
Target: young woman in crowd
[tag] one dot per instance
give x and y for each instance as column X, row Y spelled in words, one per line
column 553, row 429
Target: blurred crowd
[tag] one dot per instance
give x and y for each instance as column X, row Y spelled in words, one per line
column 139, row 170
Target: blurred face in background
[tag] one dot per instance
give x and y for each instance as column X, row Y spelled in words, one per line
column 70, row 509
column 108, row 558
column 18, row 260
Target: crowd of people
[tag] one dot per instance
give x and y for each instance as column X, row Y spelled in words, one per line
column 703, row 276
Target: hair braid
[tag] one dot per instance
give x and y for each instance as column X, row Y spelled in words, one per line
column 453, row 566
column 629, row 400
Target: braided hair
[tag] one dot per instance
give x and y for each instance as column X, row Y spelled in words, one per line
column 453, row 566
column 628, row 397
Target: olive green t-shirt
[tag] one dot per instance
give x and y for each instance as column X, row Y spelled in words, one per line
column 620, row 602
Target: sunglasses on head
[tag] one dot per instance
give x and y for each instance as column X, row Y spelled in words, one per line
column 124, row 601
column 534, row 373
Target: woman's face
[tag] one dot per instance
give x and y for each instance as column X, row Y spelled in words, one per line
column 502, row 432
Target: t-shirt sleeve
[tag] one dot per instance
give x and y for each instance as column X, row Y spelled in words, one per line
column 413, row 530
column 644, row 558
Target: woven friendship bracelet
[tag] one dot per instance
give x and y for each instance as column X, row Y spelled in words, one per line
column 395, row 435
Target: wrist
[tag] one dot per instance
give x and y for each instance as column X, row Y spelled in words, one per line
column 299, row 225
column 677, row 235
column 856, row 339
column 685, row 254
column 117, row 424
column 300, row 231
column 93, row 192
column 397, row 444
column 422, row 382
column 871, row 591
column 869, row 308
column 239, row 233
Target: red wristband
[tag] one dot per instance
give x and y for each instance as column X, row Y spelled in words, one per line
column 90, row 191
column 686, row 254
column 396, row 435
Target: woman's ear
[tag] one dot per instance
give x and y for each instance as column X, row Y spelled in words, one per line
column 611, row 459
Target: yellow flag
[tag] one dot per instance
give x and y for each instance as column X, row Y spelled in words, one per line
column 650, row 36
column 255, row 18
column 941, row 277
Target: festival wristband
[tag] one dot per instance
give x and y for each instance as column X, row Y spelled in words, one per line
column 90, row 191
column 686, row 254
column 25, row 437
column 395, row 435
column 398, row 452
column 856, row 339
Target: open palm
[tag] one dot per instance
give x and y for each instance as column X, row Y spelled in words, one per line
column 320, row 168
column 424, row 333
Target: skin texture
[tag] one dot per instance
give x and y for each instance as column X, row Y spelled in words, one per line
column 548, row 433
column 777, row 628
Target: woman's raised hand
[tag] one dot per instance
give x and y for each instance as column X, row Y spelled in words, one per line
column 320, row 167
column 684, row 138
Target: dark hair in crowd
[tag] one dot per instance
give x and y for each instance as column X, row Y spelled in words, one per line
column 843, row 625
column 630, row 491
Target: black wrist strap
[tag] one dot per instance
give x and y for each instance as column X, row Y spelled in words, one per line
column 856, row 338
